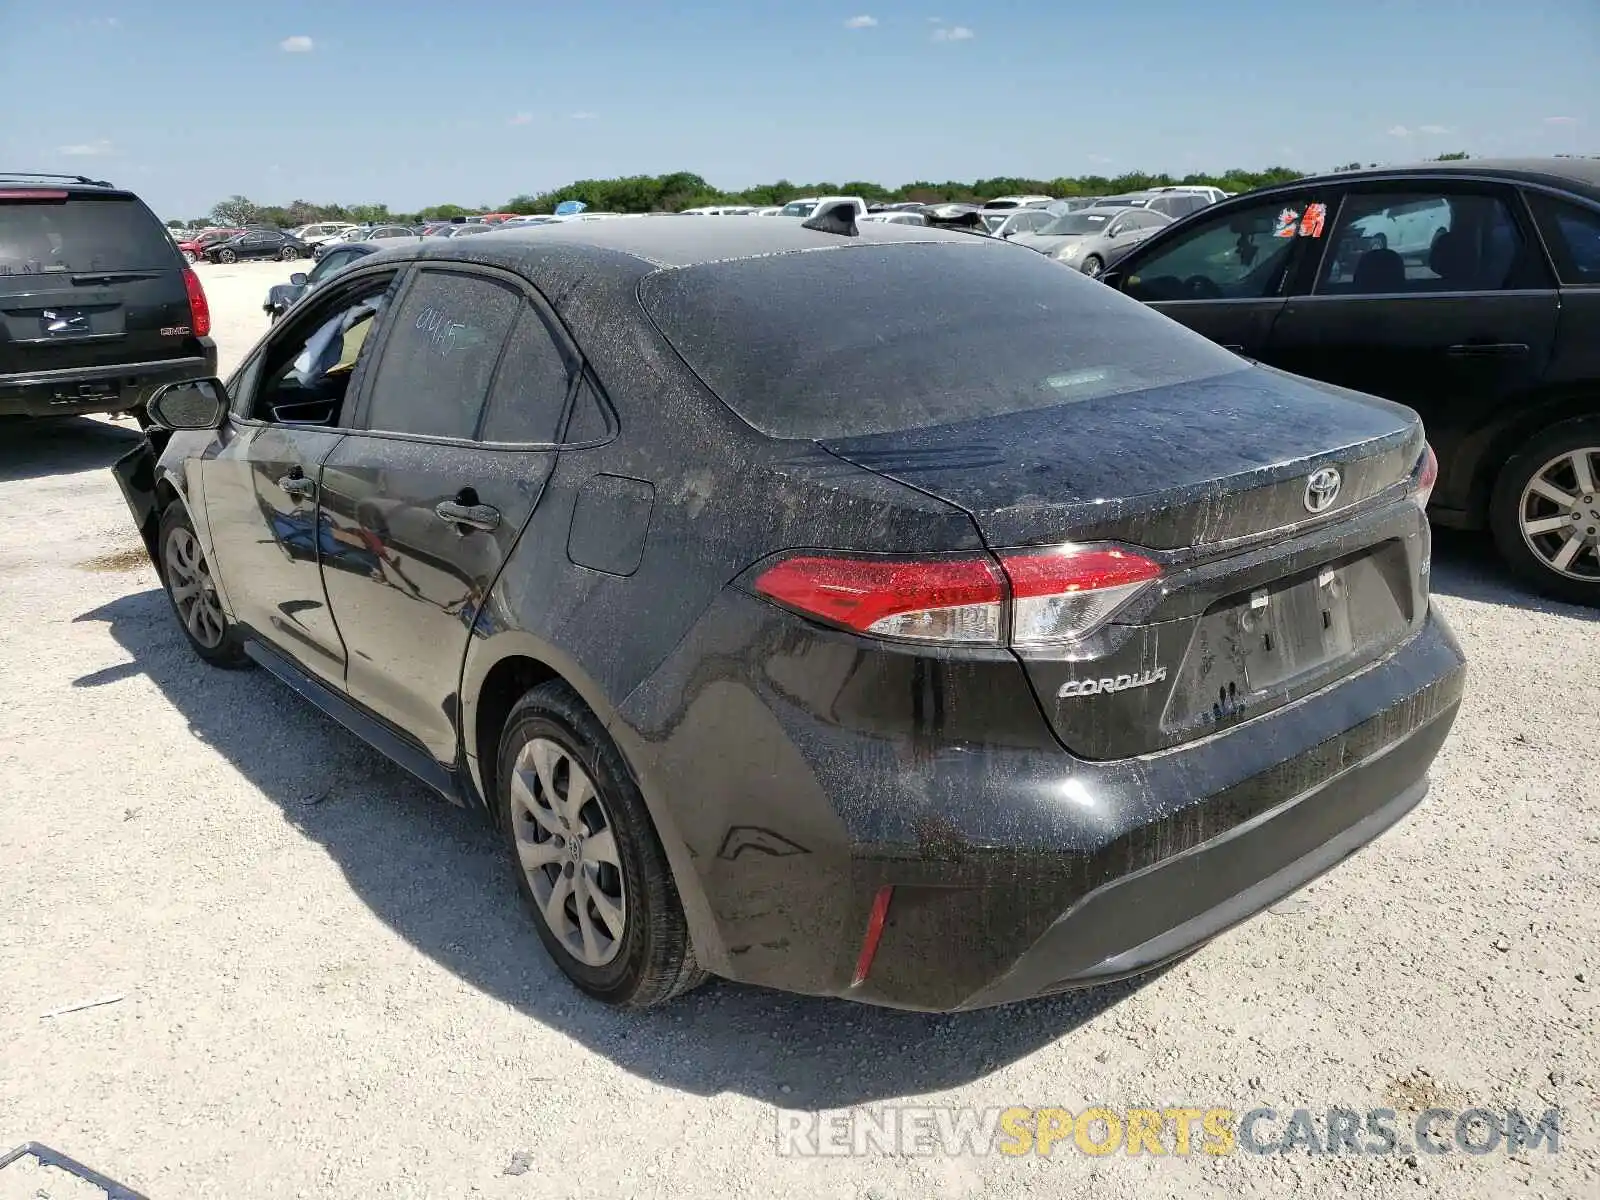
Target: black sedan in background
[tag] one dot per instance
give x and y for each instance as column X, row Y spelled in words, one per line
column 258, row 243
column 887, row 614
column 281, row 295
column 1467, row 290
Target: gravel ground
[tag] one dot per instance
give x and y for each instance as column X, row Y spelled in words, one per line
column 327, row 987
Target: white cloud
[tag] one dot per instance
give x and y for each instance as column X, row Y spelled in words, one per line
column 520, row 119
column 1434, row 129
column 1399, row 131
column 861, row 22
column 953, row 33
column 1561, row 120
column 298, row 44
column 86, row 149
column 585, row 116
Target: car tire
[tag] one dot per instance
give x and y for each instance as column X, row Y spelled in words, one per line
column 227, row 256
column 1521, row 512
column 1380, row 241
column 1094, row 266
column 618, row 931
column 288, row 254
column 183, row 567
column 190, row 257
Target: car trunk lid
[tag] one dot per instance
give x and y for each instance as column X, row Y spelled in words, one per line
column 1261, row 600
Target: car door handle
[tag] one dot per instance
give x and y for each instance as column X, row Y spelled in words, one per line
column 1486, row 349
column 298, row 486
column 474, row 516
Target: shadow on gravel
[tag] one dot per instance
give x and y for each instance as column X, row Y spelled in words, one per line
column 1466, row 565
column 438, row 876
column 31, row 449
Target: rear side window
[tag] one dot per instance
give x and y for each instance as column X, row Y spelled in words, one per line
column 530, row 389
column 869, row 339
column 82, row 233
column 441, row 353
column 1443, row 240
column 1573, row 235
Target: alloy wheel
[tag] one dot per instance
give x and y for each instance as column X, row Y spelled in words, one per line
column 288, row 254
column 568, row 850
column 193, row 592
column 1559, row 514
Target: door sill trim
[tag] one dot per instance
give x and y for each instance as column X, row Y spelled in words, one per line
column 373, row 730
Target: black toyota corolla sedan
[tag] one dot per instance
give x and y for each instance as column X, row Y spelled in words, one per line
column 882, row 613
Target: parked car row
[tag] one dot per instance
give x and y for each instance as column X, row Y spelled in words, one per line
column 1463, row 291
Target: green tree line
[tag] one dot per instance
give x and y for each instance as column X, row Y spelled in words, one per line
column 684, row 189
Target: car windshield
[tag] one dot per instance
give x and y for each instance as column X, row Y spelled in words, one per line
column 995, row 220
column 88, row 233
column 873, row 338
column 800, row 208
column 1076, row 224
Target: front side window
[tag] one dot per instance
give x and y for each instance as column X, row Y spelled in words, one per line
column 435, row 371
column 1573, row 235
column 308, row 370
column 1422, row 241
column 1239, row 255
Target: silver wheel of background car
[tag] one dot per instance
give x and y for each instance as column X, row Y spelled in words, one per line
column 227, row 256
column 1559, row 514
column 193, row 593
column 1093, row 266
column 190, row 257
column 288, row 254
column 568, row 850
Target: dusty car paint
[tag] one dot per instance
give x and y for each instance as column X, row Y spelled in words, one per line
column 793, row 770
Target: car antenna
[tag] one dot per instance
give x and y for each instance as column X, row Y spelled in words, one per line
column 835, row 218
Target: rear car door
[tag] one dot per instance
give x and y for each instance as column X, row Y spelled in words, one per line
column 89, row 281
column 1433, row 293
column 1571, row 229
column 1224, row 275
column 290, row 407
column 455, row 440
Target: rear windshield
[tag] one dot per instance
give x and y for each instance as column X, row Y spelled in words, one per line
column 81, row 234
column 872, row 339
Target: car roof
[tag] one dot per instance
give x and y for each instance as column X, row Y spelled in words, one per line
column 1580, row 175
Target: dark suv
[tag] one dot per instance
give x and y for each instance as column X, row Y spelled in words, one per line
column 1467, row 290
column 96, row 303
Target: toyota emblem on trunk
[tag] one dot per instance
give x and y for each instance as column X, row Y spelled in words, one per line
column 1322, row 489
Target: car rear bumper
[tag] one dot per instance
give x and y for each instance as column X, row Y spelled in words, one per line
column 117, row 387
column 1016, row 869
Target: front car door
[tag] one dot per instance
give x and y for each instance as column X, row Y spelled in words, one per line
column 456, row 437
column 261, row 481
column 1224, row 274
column 1433, row 293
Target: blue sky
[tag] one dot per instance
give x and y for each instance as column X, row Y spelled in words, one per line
column 411, row 103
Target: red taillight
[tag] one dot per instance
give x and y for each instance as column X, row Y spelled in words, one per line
column 939, row 600
column 1424, row 476
column 31, row 194
column 869, row 943
column 1065, row 595
column 1050, row 597
column 199, row 309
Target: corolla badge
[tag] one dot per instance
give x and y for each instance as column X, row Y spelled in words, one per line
column 1113, row 683
column 1322, row 489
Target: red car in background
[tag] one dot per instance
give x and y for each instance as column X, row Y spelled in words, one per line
column 194, row 249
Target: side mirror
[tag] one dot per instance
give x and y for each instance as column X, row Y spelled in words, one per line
column 298, row 279
column 192, row 404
